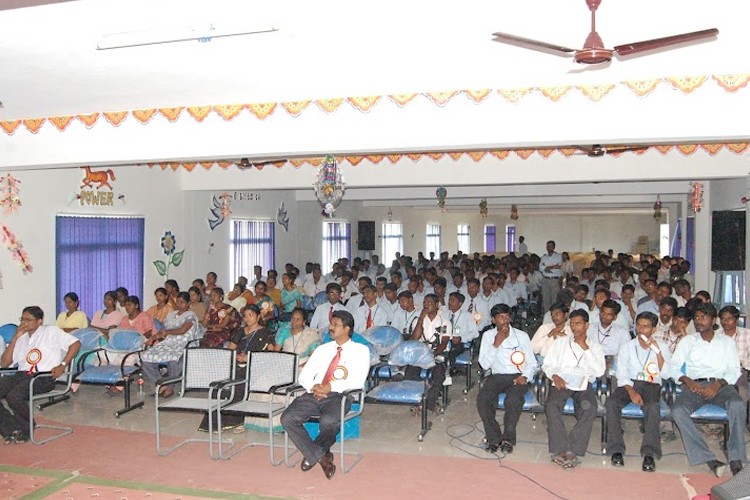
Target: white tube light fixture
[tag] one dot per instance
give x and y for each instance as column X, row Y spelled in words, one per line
column 171, row 35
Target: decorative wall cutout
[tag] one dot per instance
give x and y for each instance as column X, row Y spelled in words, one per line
column 168, row 245
column 282, row 217
column 221, row 210
column 97, row 179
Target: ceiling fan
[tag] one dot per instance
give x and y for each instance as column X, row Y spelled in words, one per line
column 597, row 150
column 245, row 163
column 594, row 52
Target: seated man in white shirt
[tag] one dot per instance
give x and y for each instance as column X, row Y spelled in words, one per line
column 435, row 329
column 390, row 303
column 516, row 289
column 463, row 325
column 315, row 284
column 547, row 333
column 33, row 348
column 606, row 332
column 416, row 288
column 506, row 353
column 405, row 320
column 572, row 364
column 476, row 307
column 728, row 316
column 666, row 311
column 682, row 292
column 711, row 365
column 371, row 313
column 333, row 368
column 640, row 365
column 324, row 312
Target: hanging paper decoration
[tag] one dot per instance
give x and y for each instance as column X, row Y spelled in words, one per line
column 282, row 217
column 514, row 212
column 657, row 209
column 168, row 245
column 441, row 194
column 9, row 194
column 696, row 196
column 483, row 210
column 16, row 248
column 329, row 186
column 220, row 210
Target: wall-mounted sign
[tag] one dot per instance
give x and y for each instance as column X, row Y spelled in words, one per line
column 97, row 179
column 245, row 196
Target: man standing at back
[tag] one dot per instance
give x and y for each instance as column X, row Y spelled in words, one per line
column 551, row 268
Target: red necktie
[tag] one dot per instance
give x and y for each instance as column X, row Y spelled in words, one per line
column 332, row 367
column 330, row 314
column 369, row 318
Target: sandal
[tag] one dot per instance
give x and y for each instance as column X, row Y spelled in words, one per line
column 416, row 410
column 571, row 461
column 166, row 393
column 559, row 459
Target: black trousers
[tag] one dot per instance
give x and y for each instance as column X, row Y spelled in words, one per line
column 585, row 412
column 494, row 385
column 15, row 390
column 438, row 377
column 651, row 442
column 302, row 409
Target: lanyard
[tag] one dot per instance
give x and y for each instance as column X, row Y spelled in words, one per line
column 599, row 333
column 638, row 357
column 578, row 358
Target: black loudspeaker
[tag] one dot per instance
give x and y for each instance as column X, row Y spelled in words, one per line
column 728, row 241
column 366, row 234
column 737, row 488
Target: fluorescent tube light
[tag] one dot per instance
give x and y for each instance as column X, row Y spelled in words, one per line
column 171, row 35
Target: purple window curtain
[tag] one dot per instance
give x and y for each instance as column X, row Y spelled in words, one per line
column 489, row 239
column 689, row 243
column 252, row 244
column 95, row 255
column 337, row 243
column 510, row 238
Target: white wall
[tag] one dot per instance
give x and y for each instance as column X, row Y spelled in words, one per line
column 45, row 193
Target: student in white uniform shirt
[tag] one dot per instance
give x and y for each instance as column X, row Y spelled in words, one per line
column 416, row 289
column 547, row 333
column 728, row 316
column 324, row 312
column 711, row 365
column 606, row 332
column 476, row 307
column 371, row 313
column 405, row 320
column 641, row 364
column 434, row 329
column 572, row 364
column 462, row 323
column 315, row 285
column 516, row 289
column 494, row 288
column 600, row 297
column 666, row 311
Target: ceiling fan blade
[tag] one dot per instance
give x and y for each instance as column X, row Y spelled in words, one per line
column 532, row 44
column 659, row 43
column 620, row 149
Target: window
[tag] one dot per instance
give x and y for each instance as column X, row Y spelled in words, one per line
column 251, row 243
column 510, row 238
column 393, row 241
column 489, row 238
column 464, row 238
column 337, row 243
column 95, row 255
column 433, row 239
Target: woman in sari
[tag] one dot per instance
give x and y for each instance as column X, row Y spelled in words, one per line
column 220, row 321
column 72, row 319
column 108, row 318
column 167, row 346
column 253, row 337
column 298, row 338
column 162, row 308
column 135, row 319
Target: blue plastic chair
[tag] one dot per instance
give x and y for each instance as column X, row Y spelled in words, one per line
column 7, row 332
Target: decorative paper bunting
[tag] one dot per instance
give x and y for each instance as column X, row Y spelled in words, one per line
column 329, row 105
column 686, row 83
column 315, row 162
column 394, row 158
column 524, row 153
column 364, row 104
column 545, row 153
column 189, row 166
column 88, row 120
column 513, row 95
column 414, row 156
column 664, row 149
column 296, row 162
column 174, row 166
column 10, row 126
column 228, row 111
column 737, row 147
column 224, row 164
column 455, row 155
column 294, row 108
column 477, row 155
column 171, row 114
column 402, row 99
column 643, row 87
column 354, row 160
column 115, row 117
column 436, row 156
column 207, row 164
column 712, row 149
column 732, row 83
column 500, row 154
column 568, row 151
column 554, row 93
column 144, row 115
column 199, row 113
column 261, row 111
column 477, row 96
column 34, row 124
column 441, row 98
column 687, row 149
column 61, row 122
column 375, row 158
column 595, row 92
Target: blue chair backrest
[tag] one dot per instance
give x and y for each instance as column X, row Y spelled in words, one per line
column 412, row 352
column 125, row 341
column 384, row 338
column 7, row 332
column 90, row 338
column 306, row 303
column 320, row 298
column 158, row 325
column 359, row 339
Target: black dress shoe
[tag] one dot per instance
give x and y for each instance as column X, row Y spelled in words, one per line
column 506, row 446
column 305, row 465
column 617, row 460
column 735, row 466
column 649, row 464
column 489, row 448
column 326, row 463
column 717, row 468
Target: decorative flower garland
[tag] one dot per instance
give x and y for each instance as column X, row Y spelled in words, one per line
column 16, row 248
column 9, row 194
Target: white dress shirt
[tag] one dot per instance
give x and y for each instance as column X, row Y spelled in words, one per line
column 610, row 338
column 574, row 365
column 351, row 371
column 551, row 260
column 478, row 309
column 51, row 341
column 320, row 320
column 405, row 321
column 542, row 342
column 380, row 316
column 636, row 363
column 311, row 288
column 433, row 329
column 463, row 325
column 516, row 291
column 718, row 358
column 498, row 359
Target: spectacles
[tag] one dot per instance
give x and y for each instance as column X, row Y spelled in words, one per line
column 25, row 320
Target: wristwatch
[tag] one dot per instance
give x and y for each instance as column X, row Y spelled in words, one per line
column 63, row 363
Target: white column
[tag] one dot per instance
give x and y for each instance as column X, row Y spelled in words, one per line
column 702, row 264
